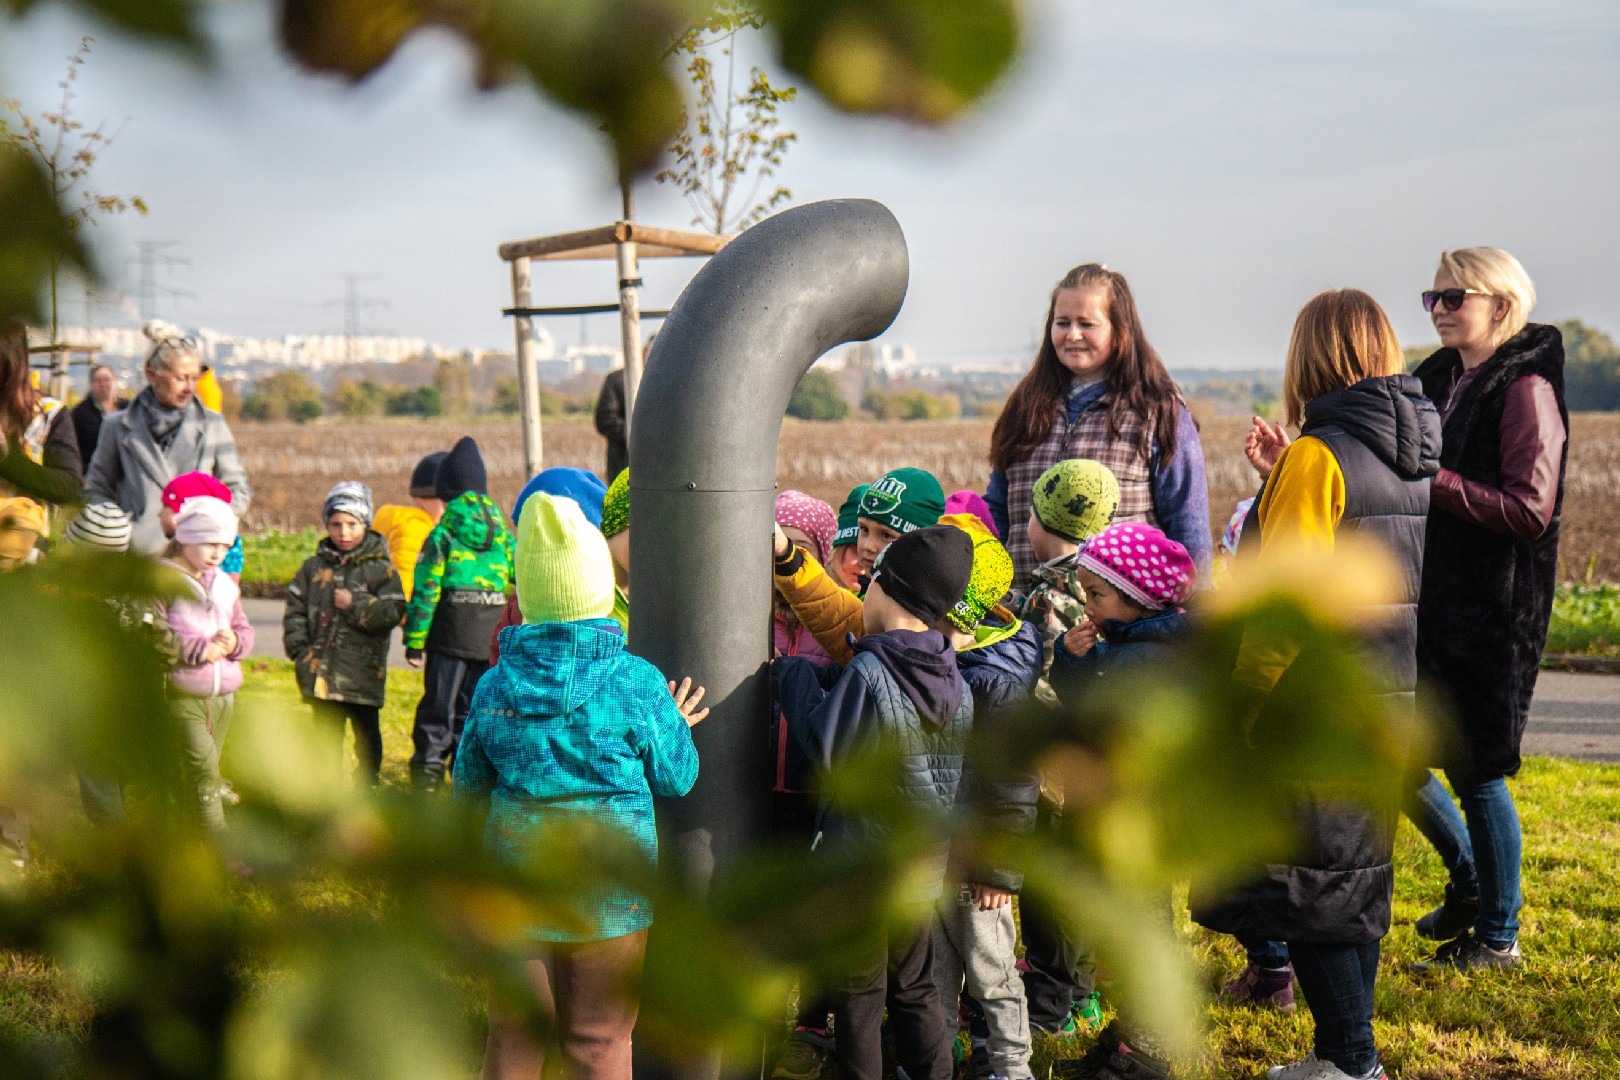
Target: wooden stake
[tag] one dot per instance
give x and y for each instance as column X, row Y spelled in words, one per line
column 629, row 305
column 528, row 377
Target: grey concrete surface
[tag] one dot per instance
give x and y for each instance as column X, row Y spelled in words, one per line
column 265, row 615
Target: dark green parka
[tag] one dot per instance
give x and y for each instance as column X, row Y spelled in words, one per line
column 343, row 655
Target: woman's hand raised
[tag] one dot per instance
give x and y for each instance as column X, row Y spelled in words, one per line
column 1264, row 445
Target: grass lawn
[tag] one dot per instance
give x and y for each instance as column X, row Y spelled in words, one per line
column 1557, row 1017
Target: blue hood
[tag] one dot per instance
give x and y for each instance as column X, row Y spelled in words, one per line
column 923, row 665
column 1015, row 659
column 553, row 669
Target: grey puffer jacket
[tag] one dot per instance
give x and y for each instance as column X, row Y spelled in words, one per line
column 131, row 469
column 902, row 691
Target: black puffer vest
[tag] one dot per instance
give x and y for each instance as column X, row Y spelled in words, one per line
column 1487, row 598
column 1385, row 436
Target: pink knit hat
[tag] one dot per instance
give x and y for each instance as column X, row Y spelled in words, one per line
column 1141, row 562
column 970, row 502
column 817, row 520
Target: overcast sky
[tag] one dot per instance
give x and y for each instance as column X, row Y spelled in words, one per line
column 1231, row 159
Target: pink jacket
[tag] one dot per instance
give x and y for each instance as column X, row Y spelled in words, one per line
column 211, row 605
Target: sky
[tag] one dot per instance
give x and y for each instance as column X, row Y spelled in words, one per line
column 1230, row 159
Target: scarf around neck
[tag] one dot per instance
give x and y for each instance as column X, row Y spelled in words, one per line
column 161, row 420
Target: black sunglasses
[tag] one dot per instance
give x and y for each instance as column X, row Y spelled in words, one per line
column 1452, row 299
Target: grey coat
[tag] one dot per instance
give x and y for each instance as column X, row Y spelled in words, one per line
column 130, row 469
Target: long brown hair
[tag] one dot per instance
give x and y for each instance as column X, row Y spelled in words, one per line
column 1137, row 380
column 18, row 398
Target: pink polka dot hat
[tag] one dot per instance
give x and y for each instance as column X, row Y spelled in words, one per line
column 1143, row 563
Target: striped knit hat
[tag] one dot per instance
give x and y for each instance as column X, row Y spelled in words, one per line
column 992, row 573
column 100, row 525
column 616, row 505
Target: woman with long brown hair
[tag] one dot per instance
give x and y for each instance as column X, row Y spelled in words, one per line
column 40, row 459
column 1098, row 390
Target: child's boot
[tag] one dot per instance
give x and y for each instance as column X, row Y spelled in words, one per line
column 1112, row 1058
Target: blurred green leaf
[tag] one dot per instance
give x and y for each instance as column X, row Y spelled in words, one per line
column 38, row 234
column 925, row 60
column 173, row 20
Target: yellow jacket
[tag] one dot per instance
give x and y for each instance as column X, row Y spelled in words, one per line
column 1302, row 506
column 828, row 610
column 406, row 529
column 208, row 391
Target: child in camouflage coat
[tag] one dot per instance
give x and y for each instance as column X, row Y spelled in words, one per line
column 1072, row 501
column 462, row 581
column 341, row 610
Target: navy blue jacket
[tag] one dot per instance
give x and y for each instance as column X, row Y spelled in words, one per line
column 1001, row 676
column 1123, row 645
column 903, row 690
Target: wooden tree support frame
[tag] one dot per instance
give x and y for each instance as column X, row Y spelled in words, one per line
column 63, row 354
column 626, row 242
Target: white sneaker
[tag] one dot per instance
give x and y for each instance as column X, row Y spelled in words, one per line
column 1310, row 1068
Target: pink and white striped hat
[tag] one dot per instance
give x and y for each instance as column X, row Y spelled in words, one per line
column 1141, row 562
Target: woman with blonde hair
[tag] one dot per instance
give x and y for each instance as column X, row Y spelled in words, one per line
column 1368, row 448
column 1491, row 566
column 167, row 431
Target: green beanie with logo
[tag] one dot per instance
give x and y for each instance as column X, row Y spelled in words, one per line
column 904, row 500
column 848, row 527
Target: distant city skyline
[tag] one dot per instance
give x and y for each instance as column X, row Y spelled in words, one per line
column 1231, row 161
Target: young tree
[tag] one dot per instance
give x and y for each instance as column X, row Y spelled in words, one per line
column 67, row 150
column 731, row 143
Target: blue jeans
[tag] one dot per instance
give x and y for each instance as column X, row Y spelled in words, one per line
column 1491, row 821
column 1338, row 982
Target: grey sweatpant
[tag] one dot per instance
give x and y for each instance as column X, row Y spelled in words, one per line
column 204, row 722
column 976, row 948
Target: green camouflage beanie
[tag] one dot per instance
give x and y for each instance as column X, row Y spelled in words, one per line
column 1076, row 499
column 616, row 505
column 848, row 527
column 904, row 500
column 991, row 578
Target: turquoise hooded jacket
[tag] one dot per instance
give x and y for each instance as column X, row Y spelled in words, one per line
column 570, row 725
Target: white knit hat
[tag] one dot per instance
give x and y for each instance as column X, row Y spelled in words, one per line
column 100, row 525
column 564, row 568
column 205, row 520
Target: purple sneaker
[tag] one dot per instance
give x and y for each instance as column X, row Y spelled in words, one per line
column 1262, row 987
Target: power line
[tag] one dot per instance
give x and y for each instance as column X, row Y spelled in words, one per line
column 151, row 259
column 354, row 307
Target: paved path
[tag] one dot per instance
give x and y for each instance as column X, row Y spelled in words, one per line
column 1574, row 715
column 265, row 615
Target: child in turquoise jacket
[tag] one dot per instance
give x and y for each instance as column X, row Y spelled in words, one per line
column 570, row 726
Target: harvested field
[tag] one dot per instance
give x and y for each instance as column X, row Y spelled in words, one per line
column 292, row 465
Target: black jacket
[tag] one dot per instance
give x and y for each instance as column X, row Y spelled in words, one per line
column 610, row 423
column 1385, row 436
column 87, row 417
column 1487, row 598
column 997, row 799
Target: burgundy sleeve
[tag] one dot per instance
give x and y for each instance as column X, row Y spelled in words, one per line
column 1532, row 439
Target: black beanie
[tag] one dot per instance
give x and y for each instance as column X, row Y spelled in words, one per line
column 461, row 470
column 425, row 477
column 926, row 571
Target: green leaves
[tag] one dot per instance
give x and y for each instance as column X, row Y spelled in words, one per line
column 38, row 234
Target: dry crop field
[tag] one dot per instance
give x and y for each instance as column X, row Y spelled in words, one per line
column 291, row 465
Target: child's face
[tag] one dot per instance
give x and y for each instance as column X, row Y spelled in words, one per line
column 845, row 566
column 204, row 556
column 346, row 530
column 1047, row 546
column 433, row 508
column 1082, row 334
column 800, row 539
column 166, row 519
column 619, row 547
column 870, row 542
column 1104, row 603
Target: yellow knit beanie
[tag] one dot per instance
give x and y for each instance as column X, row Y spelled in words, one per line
column 564, row 569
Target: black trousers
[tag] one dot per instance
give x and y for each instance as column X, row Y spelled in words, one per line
column 900, row 973
column 1058, row 969
column 447, row 689
column 366, row 721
